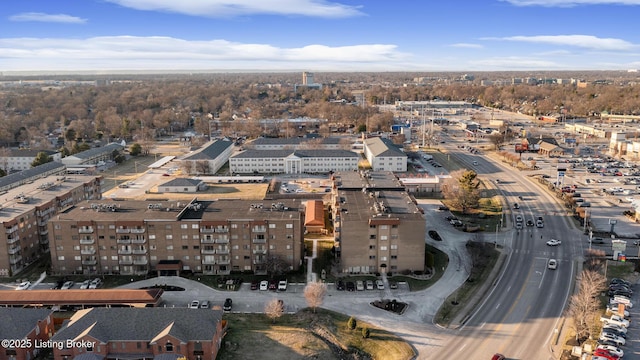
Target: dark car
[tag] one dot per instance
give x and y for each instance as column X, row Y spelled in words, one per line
column 516, row 206
column 351, row 286
column 340, row 285
column 227, row 304
column 434, row 235
column 254, row 285
column 620, row 281
column 529, row 222
column 273, row 285
column 393, row 285
column 622, row 292
column 614, row 332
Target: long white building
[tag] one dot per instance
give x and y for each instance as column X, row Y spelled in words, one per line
column 293, row 161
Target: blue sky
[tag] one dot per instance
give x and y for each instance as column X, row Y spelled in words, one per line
column 319, row 35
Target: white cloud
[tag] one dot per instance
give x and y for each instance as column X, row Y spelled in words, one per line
column 571, row 3
column 582, row 41
column 229, row 8
column 130, row 52
column 42, row 17
column 466, row 45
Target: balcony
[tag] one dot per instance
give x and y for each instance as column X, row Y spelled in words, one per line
column 207, row 241
column 14, row 250
column 13, row 239
column 259, row 229
column 207, row 230
column 87, row 230
column 44, row 241
column 15, row 259
column 207, row 251
column 208, row 261
column 88, row 251
column 224, row 262
column 11, row 229
column 124, row 241
column 125, row 261
column 222, row 251
column 263, row 252
column 222, row 241
column 141, row 240
column 44, row 231
column 222, row 230
column 137, row 231
column 86, row 241
column 89, row 262
column 139, row 251
column 141, row 261
column 123, row 231
column 140, row 272
column 124, row 251
column 259, row 241
column 42, row 223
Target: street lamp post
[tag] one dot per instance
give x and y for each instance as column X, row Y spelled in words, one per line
column 496, row 242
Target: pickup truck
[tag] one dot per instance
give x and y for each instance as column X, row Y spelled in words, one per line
column 615, row 319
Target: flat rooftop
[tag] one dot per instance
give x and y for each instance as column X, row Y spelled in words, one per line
column 368, row 179
column 220, row 210
column 39, row 192
column 359, row 206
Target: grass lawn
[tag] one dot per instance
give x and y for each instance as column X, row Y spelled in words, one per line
column 306, row 335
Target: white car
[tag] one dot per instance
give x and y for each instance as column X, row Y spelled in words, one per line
column 379, row 284
column 615, row 319
column 518, row 225
column 610, row 337
column 614, row 309
column 282, row 285
column 24, row 285
column 539, row 224
column 95, row 283
column 67, row 285
column 519, row 218
column 264, row 285
column 613, row 350
column 85, row 284
column 554, row 242
column 195, row 304
column 628, row 304
column 553, row 264
column 615, row 327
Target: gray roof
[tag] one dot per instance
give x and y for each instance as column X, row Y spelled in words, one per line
column 18, row 322
column 315, row 153
column 142, row 324
column 292, row 141
column 383, row 147
column 29, row 173
column 211, row 151
column 182, row 182
column 87, row 154
column 29, row 152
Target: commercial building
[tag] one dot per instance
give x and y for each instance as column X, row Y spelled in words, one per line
column 384, row 155
column 26, row 209
column 208, row 159
column 327, row 143
column 182, row 185
column 293, row 161
column 209, row 237
column 141, row 333
column 377, row 226
column 24, row 328
column 21, row 159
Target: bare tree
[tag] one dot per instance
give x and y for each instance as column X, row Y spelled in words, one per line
column 274, row 309
column 584, row 305
column 497, row 140
column 276, row 265
column 202, row 167
column 314, row 294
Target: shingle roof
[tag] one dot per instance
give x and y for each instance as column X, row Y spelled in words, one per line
column 315, row 153
column 182, row 182
column 18, row 322
column 211, row 151
column 292, row 141
column 143, row 324
column 383, row 147
column 87, row 154
column 29, row 173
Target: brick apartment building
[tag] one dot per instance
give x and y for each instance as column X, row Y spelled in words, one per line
column 209, row 237
column 26, row 209
column 377, row 225
column 29, row 327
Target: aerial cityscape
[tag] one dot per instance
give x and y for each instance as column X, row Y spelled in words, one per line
column 224, row 179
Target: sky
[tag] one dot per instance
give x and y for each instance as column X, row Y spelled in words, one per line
column 319, row 35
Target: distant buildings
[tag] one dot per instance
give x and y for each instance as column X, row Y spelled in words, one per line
column 308, row 82
column 384, row 155
column 20, row 159
column 293, row 161
column 141, row 333
column 209, row 237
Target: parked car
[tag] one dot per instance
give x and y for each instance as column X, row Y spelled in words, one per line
column 67, row 285
column 351, row 286
column 227, row 304
column 204, row 304
column 393, row 285
column 498, row 357
column 619, row 281
column 615, row 339
column 600, row 354
column 85, row 284
column 273, row 285
column 195, row 304
column 359, row 285
column 612, row 350
column 254, row 285
column 615, row 319
column 615, row 327
column 379, row 284
column 340, row 285
column 264, row 285
column 25, row 285
column 597, row 240
column 613, row 309
column 95, row 283
column 282, row 285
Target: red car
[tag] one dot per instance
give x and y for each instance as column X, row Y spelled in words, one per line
column 498, row 357
column 606, row 354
